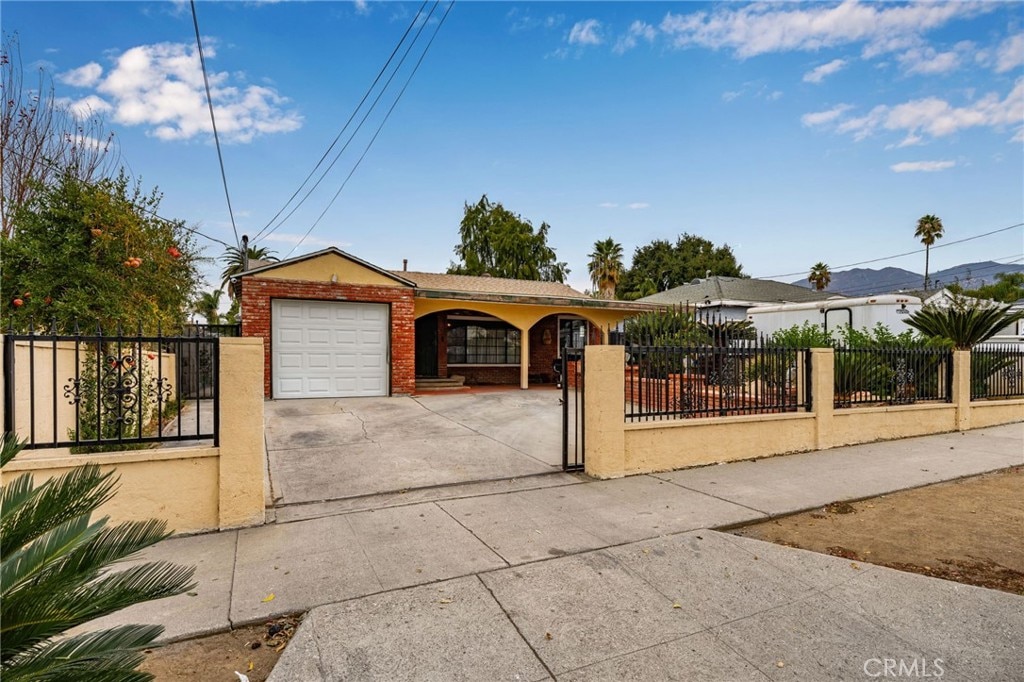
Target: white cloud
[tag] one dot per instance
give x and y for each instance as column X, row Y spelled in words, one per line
column 730, row 95
column 822, row 117
column 88, row 106
column 160, row 86
column 762, row 28
column 774, row 95
column 1010, row 53
column 637, row 30
column 921, row 166
column 84, row 76
column 608, row 204
column 361, row 6
column 586, row 32
column 819, row 73
column 927, row 61
column 936, row 117
column 638, row 205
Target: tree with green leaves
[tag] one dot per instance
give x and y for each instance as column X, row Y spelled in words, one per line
column 929, row 229
column 964, row 321
column 669, row 265
column 606, row 267
column 820, row 276
column 208, row 305
column 497, row 242
column 55, row 564
column 235, row 259
column 96, row 253
column 1008, row 288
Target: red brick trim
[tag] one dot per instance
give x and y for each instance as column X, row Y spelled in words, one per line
column 257, row 294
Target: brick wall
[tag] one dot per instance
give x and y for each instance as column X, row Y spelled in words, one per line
column 542, row 356
column 508, row 374
column 258, row 293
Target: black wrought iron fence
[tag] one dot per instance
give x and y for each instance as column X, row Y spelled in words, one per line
column 737, row 377
column 95, row 392
column 997, row 371
column 892, row 376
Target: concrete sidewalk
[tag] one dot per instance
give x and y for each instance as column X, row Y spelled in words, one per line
column 366, row 548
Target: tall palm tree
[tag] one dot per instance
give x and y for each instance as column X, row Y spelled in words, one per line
column 929, row 228
column 208, row 305
column 606, row 266
column 234, row 262
column 820, row 276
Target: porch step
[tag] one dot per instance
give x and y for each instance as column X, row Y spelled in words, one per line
column 440, row 384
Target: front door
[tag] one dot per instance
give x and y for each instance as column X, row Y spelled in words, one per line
column 426, row 346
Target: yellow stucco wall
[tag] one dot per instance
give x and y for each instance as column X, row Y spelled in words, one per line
column 193, row 489
column 322, row 268
column 615, row 448
column 522, row 315
column 177, row 485
column 694, row 442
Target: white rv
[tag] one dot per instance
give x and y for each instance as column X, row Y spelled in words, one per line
column 859, row 313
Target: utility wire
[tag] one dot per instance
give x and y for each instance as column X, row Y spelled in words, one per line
column 869, row 289
column 900, row 255
column 213, row 121
column 359, row 127
column 347, row 123
column 379, row 128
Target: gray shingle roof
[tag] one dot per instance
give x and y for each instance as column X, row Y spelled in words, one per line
column 489, row 285
column 737, row 289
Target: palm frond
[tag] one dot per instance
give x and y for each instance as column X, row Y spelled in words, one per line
column 29, row 561
column 10, row 446
column 105, row 655
column 80, row 491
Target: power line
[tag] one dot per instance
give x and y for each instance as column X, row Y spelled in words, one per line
column 213, row 120
column 900, row 255
column 379, row 128
column 362, row 101
column 362, row 121
column 869, row 289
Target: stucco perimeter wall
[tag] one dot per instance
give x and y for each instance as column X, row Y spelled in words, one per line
column 615, row 448
column 193, row 489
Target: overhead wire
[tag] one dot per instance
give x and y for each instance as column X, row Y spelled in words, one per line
column 213, row 121
column 355, row 111
column 362, row 121
column 379, row 128
column 900, row 255
column 915, row 284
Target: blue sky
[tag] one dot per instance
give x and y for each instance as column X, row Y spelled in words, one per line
column 793, row 132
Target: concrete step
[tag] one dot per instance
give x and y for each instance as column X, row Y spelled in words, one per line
column 440, row 383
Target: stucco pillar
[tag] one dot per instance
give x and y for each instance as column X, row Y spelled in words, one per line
column 823, row 395
column 524, row 358
column 605, row 422
column 962, row 388
column 241, row 433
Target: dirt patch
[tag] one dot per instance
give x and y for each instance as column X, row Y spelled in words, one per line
column 252, row 650
column 968, row 531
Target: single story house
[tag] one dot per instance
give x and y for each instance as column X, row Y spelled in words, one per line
column 336, row 326
column 730, row 297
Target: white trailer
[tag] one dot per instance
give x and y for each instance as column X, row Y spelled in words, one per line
column 831, row 314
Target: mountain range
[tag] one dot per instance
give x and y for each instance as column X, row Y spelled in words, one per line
column 868, row 281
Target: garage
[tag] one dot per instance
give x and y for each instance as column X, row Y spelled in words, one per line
column 329, row 349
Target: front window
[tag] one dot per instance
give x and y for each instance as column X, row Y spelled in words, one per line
column 482, row 343
column 572, row 332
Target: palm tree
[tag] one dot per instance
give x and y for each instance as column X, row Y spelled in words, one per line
column 56, row 565
column 929, row 228
column 606, row 266
column 208, row 306
column 234, row 262
column 820, row 276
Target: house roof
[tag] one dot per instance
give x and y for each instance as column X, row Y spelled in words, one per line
column 738, row 291
column 265, row 266
column 501, row 289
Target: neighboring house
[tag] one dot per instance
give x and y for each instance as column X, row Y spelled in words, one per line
column 336, row 326
column 730, row 297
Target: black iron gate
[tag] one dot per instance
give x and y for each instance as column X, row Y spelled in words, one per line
column 573, row 409
column 196, row 374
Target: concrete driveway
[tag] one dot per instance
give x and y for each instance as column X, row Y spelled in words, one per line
column 329, row 449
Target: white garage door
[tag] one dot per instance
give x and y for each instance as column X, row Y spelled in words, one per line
column 328, row 349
